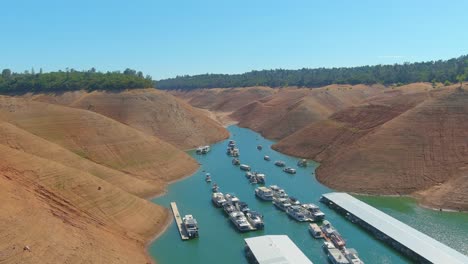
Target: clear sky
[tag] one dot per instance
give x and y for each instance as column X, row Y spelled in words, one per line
column 177, row 37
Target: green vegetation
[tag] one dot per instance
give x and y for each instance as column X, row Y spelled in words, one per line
column 70, row 80
column 399, row 74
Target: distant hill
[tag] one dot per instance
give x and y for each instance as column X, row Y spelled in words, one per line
column 445, row 71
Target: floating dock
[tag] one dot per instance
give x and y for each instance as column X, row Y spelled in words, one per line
column 398, row 235
column 178, row 220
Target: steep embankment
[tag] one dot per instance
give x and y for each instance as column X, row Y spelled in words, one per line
column 153, row 112
column 71, row 183
column 291, row 109
column 68, row 216
column 401, row 145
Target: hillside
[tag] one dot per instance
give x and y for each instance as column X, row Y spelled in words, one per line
column 397, row 145
column 68, row 216
column 79, row 176
column 291, row 109
column 156, row 113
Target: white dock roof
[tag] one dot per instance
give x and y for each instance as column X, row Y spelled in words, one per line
column 418, row 242
column 276, row 249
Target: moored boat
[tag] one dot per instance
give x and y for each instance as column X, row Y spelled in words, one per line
column 297, row 213
column 240, row 221
column 215, row 187
column 294, row 201
column 208, row 177
column 315, row 231
column 231, row 198
column 243, row 207
column 190, row 225
column 255, row 219
column 333, row 235
column 267, row 158
column 334, row 255
column 278, row 192
column 302, row 163
column 235, row 161
column 281, row 203
column 244, row 167
column 259, row 147
column 260, row 178
column 314, row 212
column 218, row 199
column 289, row 170
column 253, row 180
column 205, row 149
column 352, row 256
column 229, row 208
column 280, row 163
column 264, row 193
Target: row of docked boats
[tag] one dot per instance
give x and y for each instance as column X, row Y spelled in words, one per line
column 292, row 206
column 334, row 244
column 232, row 150
column 238, row 212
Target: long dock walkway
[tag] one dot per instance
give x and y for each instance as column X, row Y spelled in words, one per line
column 400, row 236
column 178, row 220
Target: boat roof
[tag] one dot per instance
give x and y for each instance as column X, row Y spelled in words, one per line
column 276, row 249
column 338, row 256
column 264, row 189
column 420, row 243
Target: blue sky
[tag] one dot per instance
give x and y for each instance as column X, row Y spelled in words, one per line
column 177, row 37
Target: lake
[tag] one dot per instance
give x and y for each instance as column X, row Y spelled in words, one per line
column 219, row 241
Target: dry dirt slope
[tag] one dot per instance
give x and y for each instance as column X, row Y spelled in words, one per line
column 156, row 113
column 398, row 145
column 70, row 182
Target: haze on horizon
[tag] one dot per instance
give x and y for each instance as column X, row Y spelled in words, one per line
column 166, row 39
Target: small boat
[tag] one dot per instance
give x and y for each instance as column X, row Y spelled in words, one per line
column 259, row 147
column 315, row 231
column 240, row 221
column 297, row 213
column 199, row 150
column 249, row 174
column 190, row 225
column 235, row 162
column 231, row 198
column 208, row 177
column 218, row 199
column 278, row 192
column 231, row 144
column 235, row 152
column 264, row 193
column 215, row 187
column 244, row 167
column 243, row 207
column 302, row 163
column 351, row 255
column 289, row 170
column 206, row 149
column 314, row 212
column 260, row 178
column 334, row 255
column 267, row 158
column 229, row 208
column 253, row 180
column 281, row 203
column 294, row 201
column 280, row 163
column 333, row 235
column 255, row 219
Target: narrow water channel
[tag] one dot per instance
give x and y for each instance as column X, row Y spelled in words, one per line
column 219, row 241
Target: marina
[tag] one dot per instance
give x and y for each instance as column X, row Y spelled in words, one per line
column 400, row 236
column 194, row 195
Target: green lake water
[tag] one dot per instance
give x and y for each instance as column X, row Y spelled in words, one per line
column 219, row 241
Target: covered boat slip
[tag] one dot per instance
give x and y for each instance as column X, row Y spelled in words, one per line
column 399, row 235
column 274, row 249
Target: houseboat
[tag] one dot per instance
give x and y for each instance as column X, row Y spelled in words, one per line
column 315, row 231
column 314, row 212
column 280, row 163
column 229, row 208
column 297, row 213
column 281, row 203
column 244, row 167
column 235, row 162
column 289, row 170
column 255, row 219
column 208, row 177
column 260, row 178
column 218, row 199
column 190, row 225
column 240, row 221
column 302, row 163
column 334, row 255
column 267, row 158
column 264, row 193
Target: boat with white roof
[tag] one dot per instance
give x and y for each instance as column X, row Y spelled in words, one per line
column 218, row 199
column 264, row 193
column 281, row 203
column 240, row 221
column 190, row 225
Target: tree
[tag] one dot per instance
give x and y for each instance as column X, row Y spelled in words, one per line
column 6, row 73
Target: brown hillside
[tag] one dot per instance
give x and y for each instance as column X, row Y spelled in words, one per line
column 291, row 109
column 415, row 142
column 99, row 139
column 153, row 112
column 224, row 99
column 63, row 217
